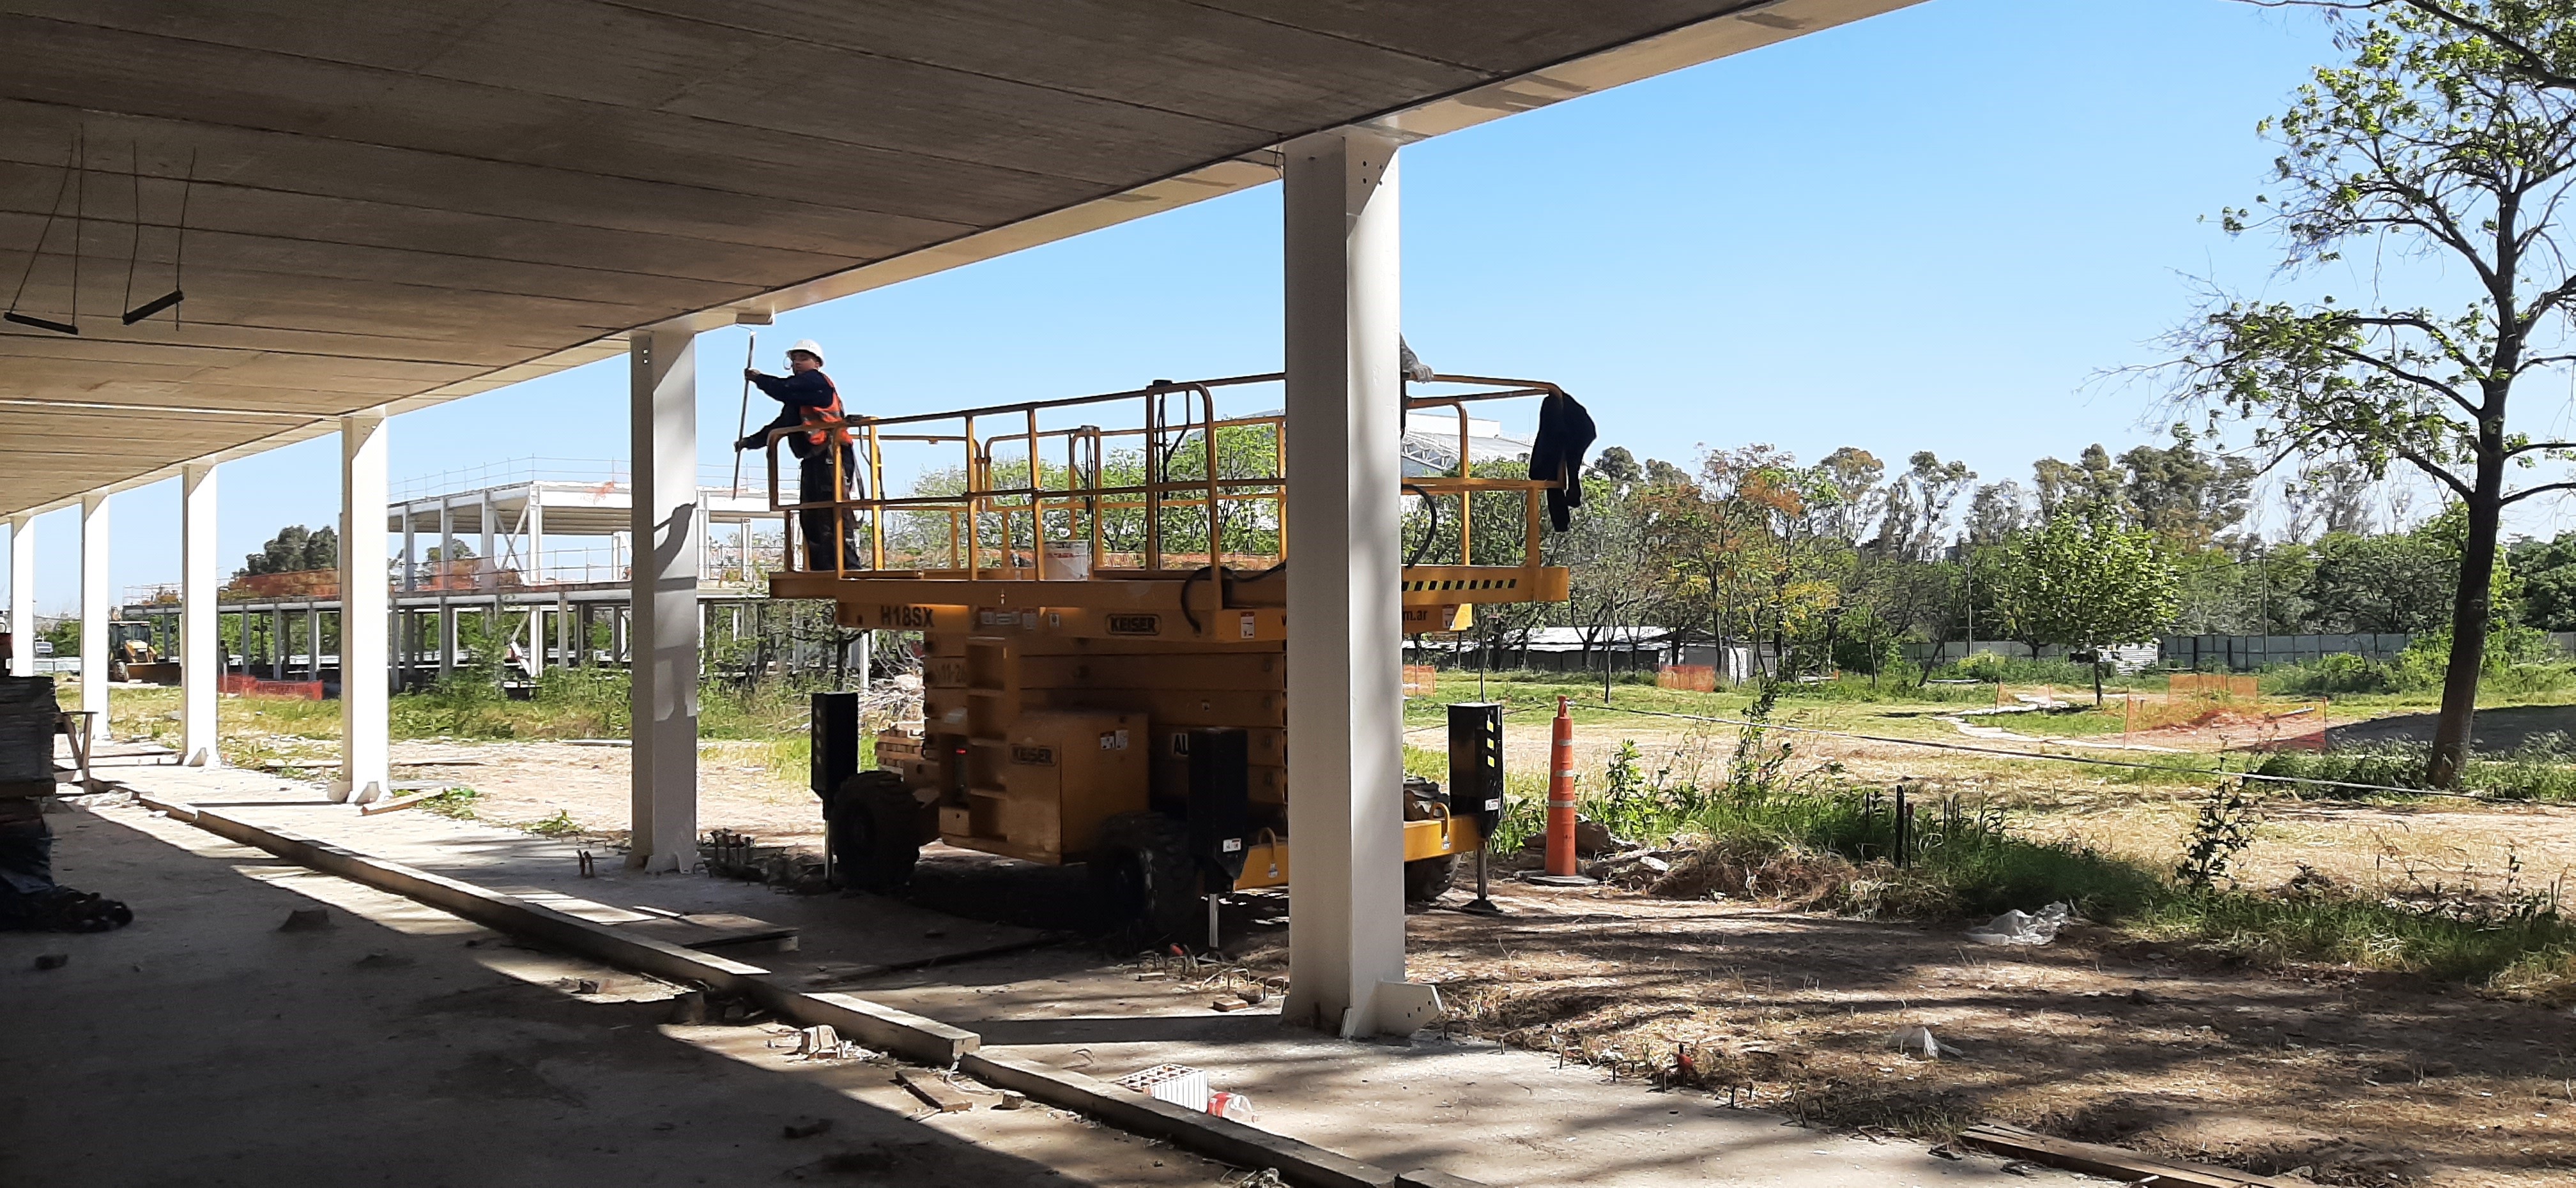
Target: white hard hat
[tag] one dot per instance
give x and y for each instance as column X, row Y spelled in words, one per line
column 809, row 346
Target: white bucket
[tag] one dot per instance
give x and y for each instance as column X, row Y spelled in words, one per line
column 1067, row 561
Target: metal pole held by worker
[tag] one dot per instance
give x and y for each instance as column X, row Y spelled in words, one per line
column 742, row 415
column 1560, row 794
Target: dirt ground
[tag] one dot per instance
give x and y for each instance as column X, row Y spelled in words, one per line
column 2359, row 1078
column 526, row 783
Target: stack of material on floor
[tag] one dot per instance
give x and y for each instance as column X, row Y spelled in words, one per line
column 27, row 716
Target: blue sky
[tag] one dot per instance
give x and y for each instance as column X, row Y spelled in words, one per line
column 1931, row 230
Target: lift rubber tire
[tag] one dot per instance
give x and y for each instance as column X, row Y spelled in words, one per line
column 873, row 832
column 1141, row 874
column 1426, row 879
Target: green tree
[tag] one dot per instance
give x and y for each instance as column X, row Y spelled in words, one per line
column 2397, row 582
column 1995, row 513
column 2438, row 141
column 1618, row 466
column 2085, row 583
column 2090, row 484
column 2184, row 493
column 1611, row 566
column 2548, row 569
column 293, row 550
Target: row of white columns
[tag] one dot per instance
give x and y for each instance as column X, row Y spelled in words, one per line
column 365, row 745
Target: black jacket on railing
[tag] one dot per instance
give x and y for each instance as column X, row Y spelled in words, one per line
column 1565, row 431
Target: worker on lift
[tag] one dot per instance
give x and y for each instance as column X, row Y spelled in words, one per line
column 825, row 461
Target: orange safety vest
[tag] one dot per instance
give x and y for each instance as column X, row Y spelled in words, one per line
column 826, row 420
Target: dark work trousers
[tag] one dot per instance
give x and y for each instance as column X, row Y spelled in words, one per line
column 814, row 485
column 26, row 856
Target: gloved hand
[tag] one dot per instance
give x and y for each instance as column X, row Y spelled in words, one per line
column 753, row 442
column 751, row 373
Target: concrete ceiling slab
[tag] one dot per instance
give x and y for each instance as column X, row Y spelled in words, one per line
column 396, row 205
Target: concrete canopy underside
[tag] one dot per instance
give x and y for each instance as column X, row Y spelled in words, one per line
column 397, row 205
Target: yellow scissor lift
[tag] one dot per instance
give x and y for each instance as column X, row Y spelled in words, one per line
column 1105, row 625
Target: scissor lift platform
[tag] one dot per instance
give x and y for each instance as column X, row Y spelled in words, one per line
column 1073, row 650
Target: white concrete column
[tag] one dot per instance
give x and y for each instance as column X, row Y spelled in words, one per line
column 366, row 744
column 93, row 610
column 534, row 521
column 1345, row 683
column 487, row 571
column 663, row 638
column 446, row 570
column 201, row 642
column 22, row 596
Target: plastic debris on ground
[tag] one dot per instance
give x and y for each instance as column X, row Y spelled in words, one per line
column 2018, row 927
column 818, row 1042
column 1232, row 1106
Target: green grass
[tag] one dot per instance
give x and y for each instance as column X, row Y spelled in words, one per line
column 2524, row 948
column 1832, row 850
column 559, row 825
column 453, row 802
column 1532, row 697
column 2542, row 769
column 1524, row 797
column 1962, row 860
column 1818, row 841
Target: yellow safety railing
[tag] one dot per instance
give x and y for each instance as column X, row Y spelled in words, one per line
column 1013, row 502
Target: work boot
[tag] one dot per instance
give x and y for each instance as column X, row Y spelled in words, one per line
column 63, row 909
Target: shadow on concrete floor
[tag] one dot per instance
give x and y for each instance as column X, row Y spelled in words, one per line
column 400, row 1046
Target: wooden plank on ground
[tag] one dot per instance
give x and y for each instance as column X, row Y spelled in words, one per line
column 399, row 802
column 2094, row 1159
column 715, row 930
column 929, row 1087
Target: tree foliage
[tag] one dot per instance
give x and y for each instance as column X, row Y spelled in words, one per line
column 2441, row 140
column 294, row 549
column 2086, row 582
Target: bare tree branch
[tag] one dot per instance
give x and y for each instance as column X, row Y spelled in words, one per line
column 2515, row 497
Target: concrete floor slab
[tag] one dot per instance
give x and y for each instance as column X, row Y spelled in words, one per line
column 405, row 1047
column 1469, row 1109
column 838, row 936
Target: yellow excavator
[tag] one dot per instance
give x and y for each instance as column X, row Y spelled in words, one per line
column 132, row 656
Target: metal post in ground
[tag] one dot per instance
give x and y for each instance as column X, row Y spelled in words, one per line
column 1904, row 823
